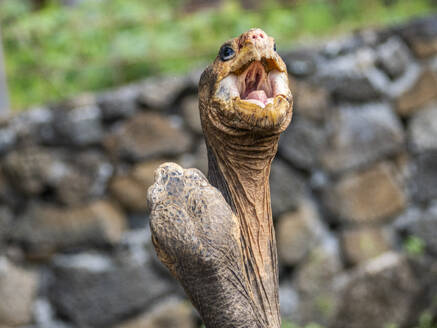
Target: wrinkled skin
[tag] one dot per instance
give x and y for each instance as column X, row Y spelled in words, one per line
column 217, row 237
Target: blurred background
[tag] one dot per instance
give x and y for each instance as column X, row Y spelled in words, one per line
column 95, row 94
column 58, row 48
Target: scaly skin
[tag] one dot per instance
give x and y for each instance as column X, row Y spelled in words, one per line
column 217, row 238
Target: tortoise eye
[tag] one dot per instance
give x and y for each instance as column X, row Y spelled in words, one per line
column 274, row 46
column 226, row 53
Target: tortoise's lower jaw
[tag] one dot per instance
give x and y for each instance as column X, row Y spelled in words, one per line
column 271, row 115
column 255, row 95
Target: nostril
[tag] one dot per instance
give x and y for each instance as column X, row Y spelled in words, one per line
column 261, row 36
column 254, row 36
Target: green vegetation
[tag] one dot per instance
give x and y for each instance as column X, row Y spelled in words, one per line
column 325, row 305
column 414, row 246
column 425, row 321
column 60, row 51
column 391, row 325
column 287, row 324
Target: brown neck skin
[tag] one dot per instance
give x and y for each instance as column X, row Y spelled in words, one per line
column 239, row 166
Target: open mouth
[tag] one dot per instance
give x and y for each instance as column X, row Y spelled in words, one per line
column 257, row 82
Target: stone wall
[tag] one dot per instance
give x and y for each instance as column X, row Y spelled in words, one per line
column 354, row 193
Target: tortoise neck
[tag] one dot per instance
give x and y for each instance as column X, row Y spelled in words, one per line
column 240, row 169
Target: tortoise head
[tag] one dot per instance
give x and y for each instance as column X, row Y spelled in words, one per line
column 246, row 87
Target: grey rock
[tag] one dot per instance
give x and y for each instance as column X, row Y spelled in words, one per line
column 18, row 289
column 298, row 232
column 358, row 135
column 335, row 48
column 190, row 110
column 351, row 77
column 393, row 57
column 310, row 101
column 147, row 135
column 380, row 292
column 129, row 192
column 316, row 284
column 319, row 180
column 301, row 63
column 393, row 88
column 368, row 37
column 370, row 195
column 289, row 300
column 433, row 64
column 287, row 187
column 6, row 218
column 420, row 91
column 355, row 89
column 8, row 195
column 144, row 172
column 349, row 44
column 82, row 100
column 193, row 77
column 34, row 125
column 81, row 178
column 198, row 159
column 43, row 311
column 322, row 263
column 29, row 168
column 302, row 143
column 92, row 262
column 161, row 92
column 105, row 298
column 363, row 243
column 98, row 168
column 425, row 269
column 135, row 245
column 119, row 103
column 169, row 313
column 70, row 178
column 420, row 223
column 45, row 229
column 424, row 178
column 201, row 157
column 421, row 36
column 8, row 138
column 138, row 221
column 422, row 129
column 44, row 315
column 80, row 126
column 425, row 27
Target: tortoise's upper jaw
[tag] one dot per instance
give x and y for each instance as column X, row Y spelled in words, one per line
column 257, row 82
column 254, row 83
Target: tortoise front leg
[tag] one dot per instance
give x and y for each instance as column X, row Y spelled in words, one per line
column 197, row 236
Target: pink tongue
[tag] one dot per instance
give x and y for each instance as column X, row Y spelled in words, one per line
column 258, row 95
